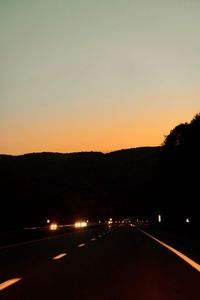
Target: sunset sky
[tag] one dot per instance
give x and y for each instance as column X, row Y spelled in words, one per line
column 83, row 75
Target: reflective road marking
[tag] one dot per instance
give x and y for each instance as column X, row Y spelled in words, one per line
column 181, row 255
column 60, row 256
column 8, row 283
column 81, row 245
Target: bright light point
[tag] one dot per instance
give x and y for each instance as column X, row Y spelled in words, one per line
column 159, row 218
column 187, row 221
column 53, row 226
column 77, row 224
column 48, row 221
column 110, row 221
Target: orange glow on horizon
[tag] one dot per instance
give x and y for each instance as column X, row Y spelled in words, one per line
column 114, row 131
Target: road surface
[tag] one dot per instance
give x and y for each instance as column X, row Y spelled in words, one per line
column 99, row 263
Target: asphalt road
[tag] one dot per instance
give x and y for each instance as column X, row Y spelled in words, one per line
column 99, row 263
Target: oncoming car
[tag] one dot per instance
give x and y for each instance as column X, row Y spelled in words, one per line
column 80, row 224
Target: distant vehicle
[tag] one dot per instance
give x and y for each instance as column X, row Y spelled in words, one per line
column 110, row 221
column 53, row 226
column 126, row 222
column 80, row 224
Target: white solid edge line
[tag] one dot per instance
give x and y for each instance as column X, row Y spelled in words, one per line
column 181, row 255
column 9, row 282
column 81, row 245
column 59, row 256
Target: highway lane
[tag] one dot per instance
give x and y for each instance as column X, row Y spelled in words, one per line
column 26, row 256
column 99, row 263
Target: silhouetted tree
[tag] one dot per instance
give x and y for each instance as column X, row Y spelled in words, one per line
column 184, row 135
column 180, row 168
column 176, row 136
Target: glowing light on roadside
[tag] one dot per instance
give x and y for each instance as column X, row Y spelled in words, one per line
column 187, row 220
column 53, row 226
column 48, row 221
column 80, row 224
column 159, row 218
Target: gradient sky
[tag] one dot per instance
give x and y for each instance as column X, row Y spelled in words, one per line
column 84, row 75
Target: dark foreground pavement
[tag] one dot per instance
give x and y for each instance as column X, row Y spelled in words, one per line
column 100, row 263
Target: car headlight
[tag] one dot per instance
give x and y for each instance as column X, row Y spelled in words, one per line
column 80, row 224
column 53, row 226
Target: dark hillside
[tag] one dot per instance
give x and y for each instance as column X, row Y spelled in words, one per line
column 64, row 186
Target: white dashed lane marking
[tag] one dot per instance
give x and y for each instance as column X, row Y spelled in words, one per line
column 81, row 245
column 9, row 282
column 59, row 256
